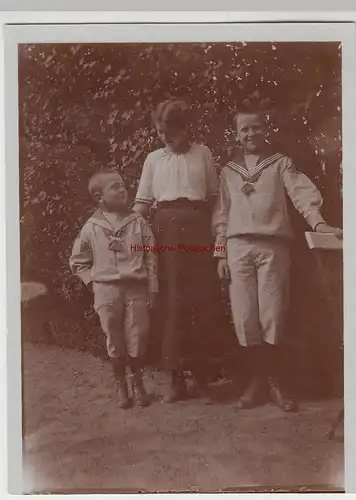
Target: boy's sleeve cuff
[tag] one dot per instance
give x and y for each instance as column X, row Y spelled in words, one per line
column 220, row 248
column 85, row 276
column 315, row 218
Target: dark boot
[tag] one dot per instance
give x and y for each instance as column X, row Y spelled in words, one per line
column 119, row 369
column 279, row 397
column 277, row 392
column 253, row 367
column 251, row 396
column 140, row 395
column 177, row 388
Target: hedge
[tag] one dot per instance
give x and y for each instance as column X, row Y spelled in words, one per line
column 85, row 107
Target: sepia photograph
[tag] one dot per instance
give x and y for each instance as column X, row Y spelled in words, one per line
column 181, row 265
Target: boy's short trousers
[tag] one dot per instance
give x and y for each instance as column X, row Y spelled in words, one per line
column 259, row 289
column 124, row 316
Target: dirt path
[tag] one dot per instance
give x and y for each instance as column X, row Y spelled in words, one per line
column 76, row 438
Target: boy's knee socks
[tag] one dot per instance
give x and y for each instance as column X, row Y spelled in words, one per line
column 135, row 364
column 119, row 367
column 273, row 359
column 252, row 357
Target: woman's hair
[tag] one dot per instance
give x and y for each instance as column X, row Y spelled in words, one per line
column 171, row 114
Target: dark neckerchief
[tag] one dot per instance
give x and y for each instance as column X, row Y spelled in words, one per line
column 265, row 158
column 114, row 235
column 238, row 165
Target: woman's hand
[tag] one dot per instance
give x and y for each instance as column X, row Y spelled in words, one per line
column 325, row 228
column 223, row 270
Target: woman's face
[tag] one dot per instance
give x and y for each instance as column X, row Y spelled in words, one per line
column 173, row 138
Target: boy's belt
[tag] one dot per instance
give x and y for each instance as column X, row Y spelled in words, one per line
column 182, row 203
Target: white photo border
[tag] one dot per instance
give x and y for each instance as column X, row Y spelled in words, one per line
column 187, row 32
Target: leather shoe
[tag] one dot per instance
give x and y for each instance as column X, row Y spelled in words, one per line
column 251, row 396
column 276, row 394
column 122, row 393
column 177, row 389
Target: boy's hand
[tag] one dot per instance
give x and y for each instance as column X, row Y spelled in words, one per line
column 223, row 270
column 152, row 299
column 325, row 228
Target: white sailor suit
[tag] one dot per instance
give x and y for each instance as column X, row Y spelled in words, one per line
column 251, row 220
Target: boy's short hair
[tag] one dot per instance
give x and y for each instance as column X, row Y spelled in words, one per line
column 95, row 183
column 250, row 109
column 172, row 113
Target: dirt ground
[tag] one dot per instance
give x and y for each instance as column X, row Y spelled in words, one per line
column 77, row 440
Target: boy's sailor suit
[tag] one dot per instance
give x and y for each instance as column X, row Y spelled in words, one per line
column 251, row 220
column 113, row 258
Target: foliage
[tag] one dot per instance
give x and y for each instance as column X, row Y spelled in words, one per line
column 87, row 106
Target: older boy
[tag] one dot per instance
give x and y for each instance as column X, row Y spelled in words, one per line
column 251, row 218
column 124, row 280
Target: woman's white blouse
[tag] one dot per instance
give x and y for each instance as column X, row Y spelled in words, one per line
column 168, row 176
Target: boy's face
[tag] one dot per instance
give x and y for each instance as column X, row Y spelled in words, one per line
column 173, row 138
column 251, row 132
column 113, row 192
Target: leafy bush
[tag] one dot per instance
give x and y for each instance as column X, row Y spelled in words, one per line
column 87, row 106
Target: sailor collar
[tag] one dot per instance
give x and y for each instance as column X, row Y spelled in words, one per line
column 99, row 219
column 238, row 165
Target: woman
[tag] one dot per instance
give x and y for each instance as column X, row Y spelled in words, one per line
column 181, row 179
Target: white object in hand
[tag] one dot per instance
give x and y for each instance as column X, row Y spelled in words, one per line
column 323, row 241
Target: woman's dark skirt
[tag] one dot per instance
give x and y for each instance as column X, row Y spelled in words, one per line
column 189, row 286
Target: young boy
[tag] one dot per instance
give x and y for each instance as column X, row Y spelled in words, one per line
column 251, row 218
column 107, row 253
